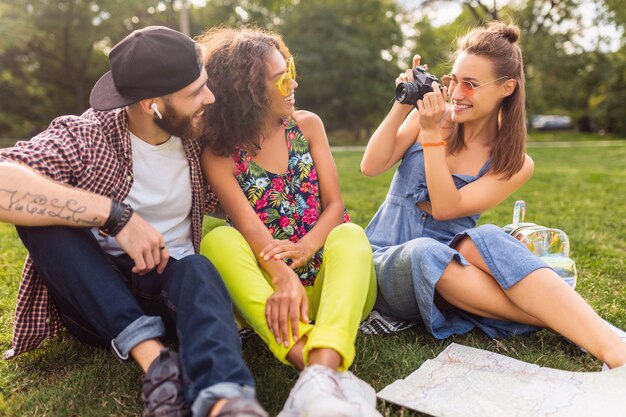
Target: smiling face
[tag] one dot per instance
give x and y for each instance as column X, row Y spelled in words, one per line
column 488, row 91
column 182, row 111
column 248, row 102
column 277, row 67
column 494, row 111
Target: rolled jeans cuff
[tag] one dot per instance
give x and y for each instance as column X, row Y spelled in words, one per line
column 208, row 396
column 140, row 330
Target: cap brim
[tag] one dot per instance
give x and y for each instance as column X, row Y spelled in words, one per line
column 104, row 95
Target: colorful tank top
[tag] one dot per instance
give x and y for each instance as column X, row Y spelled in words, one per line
column 288, row 204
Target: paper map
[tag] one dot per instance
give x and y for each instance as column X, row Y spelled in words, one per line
column 468, row 382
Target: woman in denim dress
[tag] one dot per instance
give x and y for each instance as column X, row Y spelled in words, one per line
column 431, row 262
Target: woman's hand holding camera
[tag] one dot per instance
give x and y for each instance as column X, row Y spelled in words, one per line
column 425, row 93
column 432, row 111
column 407, row 75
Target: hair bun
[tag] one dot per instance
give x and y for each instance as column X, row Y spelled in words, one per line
column 510, row 32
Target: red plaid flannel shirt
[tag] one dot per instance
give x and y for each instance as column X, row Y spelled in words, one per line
column 92, row 152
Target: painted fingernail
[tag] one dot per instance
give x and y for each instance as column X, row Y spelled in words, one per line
column 278, row 340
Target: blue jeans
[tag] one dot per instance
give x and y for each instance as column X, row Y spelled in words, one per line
column 103, row 303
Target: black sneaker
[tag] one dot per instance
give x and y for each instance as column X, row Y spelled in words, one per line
column 162, row 388
column 242, row 407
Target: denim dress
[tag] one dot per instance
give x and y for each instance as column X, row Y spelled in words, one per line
column 412, row 249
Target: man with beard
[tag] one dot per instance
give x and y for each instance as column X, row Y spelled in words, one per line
column 117, row 198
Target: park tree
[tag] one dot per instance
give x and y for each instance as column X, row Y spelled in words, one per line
column 348, row 52
column 607, row 103
column 261, row 13
column 433, row 44
column 345, row 56
column 559, row 70
column 52, row 53
column 570, row 74
column 616, row 12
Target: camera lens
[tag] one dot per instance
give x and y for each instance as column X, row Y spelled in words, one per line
column 407, row 93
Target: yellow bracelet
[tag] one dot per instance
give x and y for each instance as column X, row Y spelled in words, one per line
column 427, row 144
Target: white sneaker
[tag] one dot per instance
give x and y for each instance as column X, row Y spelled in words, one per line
column 359, row 393
column 317, row 394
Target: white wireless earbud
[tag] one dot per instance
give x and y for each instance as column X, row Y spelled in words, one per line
column 154, row 107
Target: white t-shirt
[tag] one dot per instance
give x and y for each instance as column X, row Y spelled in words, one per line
column 160, row 194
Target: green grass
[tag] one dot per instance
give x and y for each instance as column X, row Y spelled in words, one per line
column 578, row 189
column 567, row 135
column 345, row 137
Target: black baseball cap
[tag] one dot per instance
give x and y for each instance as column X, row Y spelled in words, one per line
column 150, row 62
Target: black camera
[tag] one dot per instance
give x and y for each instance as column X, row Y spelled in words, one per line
column 410, row 92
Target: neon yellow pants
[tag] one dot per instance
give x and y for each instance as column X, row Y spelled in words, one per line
column 343, row 294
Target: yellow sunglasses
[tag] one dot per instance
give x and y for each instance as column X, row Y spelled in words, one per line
column 283, row 84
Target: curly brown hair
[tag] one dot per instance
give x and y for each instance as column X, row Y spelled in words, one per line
column 236, row 63
column 498, row 43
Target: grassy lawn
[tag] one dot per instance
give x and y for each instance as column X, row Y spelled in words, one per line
column 567, row 135
column 578, row 189
column 345, row 137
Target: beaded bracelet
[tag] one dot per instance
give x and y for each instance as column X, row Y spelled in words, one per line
column 119, row 216
column 428, row 144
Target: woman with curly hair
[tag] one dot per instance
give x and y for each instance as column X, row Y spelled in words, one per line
column 292, row 255
column 432, row 263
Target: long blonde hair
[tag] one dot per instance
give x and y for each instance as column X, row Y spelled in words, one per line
column 498, row 43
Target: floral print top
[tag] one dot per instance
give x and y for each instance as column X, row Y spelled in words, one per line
column 288, row 204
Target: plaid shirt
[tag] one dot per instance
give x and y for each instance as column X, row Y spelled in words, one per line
column 92, row 152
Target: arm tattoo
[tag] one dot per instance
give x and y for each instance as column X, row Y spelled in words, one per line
column 40, row 205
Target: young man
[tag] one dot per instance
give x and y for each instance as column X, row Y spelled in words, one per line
column 118, row 197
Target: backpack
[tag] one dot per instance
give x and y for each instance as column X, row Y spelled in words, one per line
column 550, row 245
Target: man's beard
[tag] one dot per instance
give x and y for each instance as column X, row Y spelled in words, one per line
column 177, row 125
